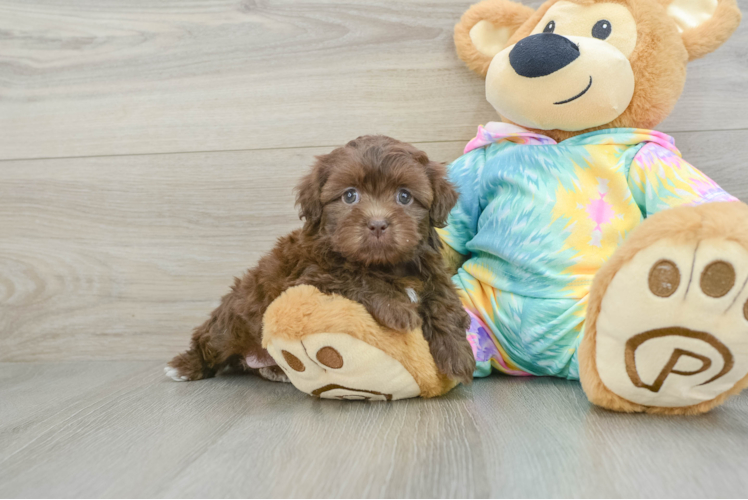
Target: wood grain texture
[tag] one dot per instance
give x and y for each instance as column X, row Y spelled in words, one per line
column 111, row 250
column 121, row 429
column 87, row 77
column 120, row 257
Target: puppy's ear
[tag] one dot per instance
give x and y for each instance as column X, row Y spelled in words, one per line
column 309, row 195
column 445, row 195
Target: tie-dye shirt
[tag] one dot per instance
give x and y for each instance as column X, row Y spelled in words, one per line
column 538, row 219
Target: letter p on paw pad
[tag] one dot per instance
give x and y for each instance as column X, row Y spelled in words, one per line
column 672, row 329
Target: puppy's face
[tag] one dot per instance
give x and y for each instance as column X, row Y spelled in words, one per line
column 375, row 200
column 376, row 210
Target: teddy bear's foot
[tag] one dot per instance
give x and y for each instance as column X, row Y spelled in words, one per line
column 331, row 347
column 338, row 366
column 668, row 330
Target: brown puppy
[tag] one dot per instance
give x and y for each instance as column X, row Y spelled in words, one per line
column 370, row 209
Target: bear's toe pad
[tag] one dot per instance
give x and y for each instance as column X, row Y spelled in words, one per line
column 338, row 366
column 673, row 325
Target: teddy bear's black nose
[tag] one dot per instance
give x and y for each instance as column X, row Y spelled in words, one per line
column 542, row 54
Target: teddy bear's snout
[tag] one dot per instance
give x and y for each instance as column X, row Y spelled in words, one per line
column 542, row 54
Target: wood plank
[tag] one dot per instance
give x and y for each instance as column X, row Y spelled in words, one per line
column 138, row 434
column 133, row 434
column 40, row 396
column 120, row 257
column 132, row 77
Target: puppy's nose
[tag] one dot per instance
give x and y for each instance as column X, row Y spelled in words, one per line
column 377, row 227
column 542, row 54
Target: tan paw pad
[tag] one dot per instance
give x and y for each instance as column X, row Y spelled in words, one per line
column 338, row 366
column 673, row 325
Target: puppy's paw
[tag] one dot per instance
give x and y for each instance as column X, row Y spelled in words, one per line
column 273, row 374
column 174, row 374
column 188, row 366
column 453, row 355
column 402, row 317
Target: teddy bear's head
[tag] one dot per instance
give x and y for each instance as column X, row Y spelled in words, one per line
column 578, row 65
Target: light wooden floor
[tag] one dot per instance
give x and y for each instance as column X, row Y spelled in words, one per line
column 147, row 154
column 120, row 429
column 148, row 150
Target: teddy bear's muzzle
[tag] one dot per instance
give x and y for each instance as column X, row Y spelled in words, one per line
column 542, row 54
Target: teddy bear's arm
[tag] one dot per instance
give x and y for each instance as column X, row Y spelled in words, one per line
column 452, row 259
column 462, row 224
column 660, row 179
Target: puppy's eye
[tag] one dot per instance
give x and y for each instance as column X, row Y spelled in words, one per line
column 602, row 29
column 350, row 197
column 404, row 197
column 550, row 27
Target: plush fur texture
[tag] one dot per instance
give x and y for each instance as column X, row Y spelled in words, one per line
column 500, row 13
column 706, row 38
column 681, row 225
column 303, row 310
column 658, row 60
column 369, row 251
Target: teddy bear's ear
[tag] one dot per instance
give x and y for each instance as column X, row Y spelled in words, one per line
column 704, row 24
column 484, row 30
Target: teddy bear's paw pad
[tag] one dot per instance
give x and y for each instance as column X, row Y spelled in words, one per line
column 673, row 324
column 338, row 366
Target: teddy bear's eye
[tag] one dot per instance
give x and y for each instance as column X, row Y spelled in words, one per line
column 602, row 29
column 550, row 27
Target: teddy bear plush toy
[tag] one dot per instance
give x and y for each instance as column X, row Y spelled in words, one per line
column 583, row 245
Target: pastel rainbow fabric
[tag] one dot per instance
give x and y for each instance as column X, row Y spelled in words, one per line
column 538, row 219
